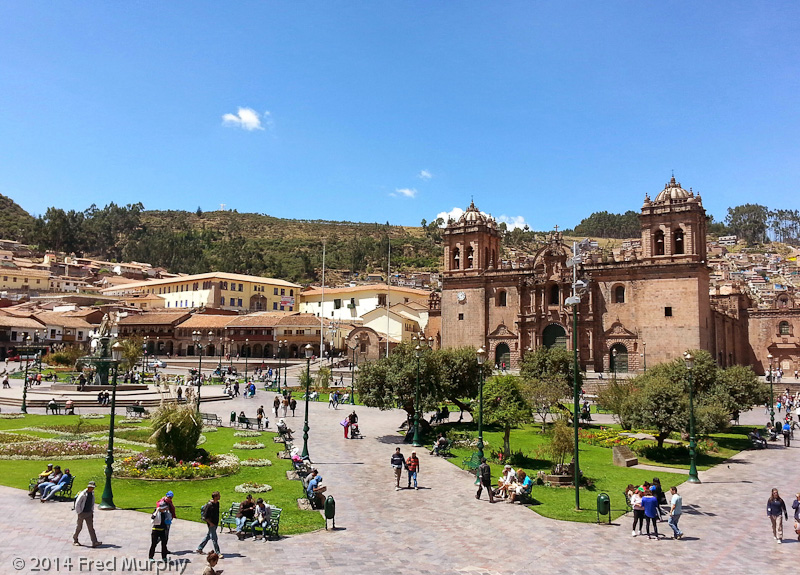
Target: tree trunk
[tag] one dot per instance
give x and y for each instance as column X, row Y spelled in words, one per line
column 660, row 439
column 507, row 442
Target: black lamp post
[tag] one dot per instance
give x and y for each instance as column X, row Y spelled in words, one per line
column 198, row 344
column 286, row 363
column 693, row 478
column 281, row 352
column 27, row 341
column 771, row 396
column 353, row 370
column 145, row 343
column 155, row 360
column 246, row 352
column 614, row 362
column 421, row 345
column 107, row 502
column 309, row 352
column 481, row 353
column 644, row 356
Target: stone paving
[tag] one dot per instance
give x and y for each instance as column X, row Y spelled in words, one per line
column 441, row 528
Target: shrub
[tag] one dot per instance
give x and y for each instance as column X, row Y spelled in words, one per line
column 672, row 453
column 67, row 356
column 604, row 437
column 176, row 430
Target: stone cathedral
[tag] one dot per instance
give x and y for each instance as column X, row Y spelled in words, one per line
column 648, row 305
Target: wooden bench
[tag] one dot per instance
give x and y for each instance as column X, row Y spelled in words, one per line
column 248, row 422
column 302, row 468
column 286, row 437
column 136, row 410
column 54, row 409
column 472, row 463
column 211, row 419
column 228, row 518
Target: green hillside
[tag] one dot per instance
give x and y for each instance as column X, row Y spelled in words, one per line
column 15, row 222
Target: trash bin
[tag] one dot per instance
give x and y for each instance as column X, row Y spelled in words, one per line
column 233, row 418
column 330, row 511
column 603, row 506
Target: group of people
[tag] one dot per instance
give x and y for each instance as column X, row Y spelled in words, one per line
column 511, row 485
column 284, row 402
column 50, row 482
column 103, row 398
column 411, row 465
column 647, row 501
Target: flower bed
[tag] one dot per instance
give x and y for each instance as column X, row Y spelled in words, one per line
column 251, row 487
column 50, row 449
column 604, row 437
column 209, row 429
column 11, row 416
column 247, row 434
column 248, row 445
column 92, row 416
column 16, row 438
column 152, row 466
column 255, row 462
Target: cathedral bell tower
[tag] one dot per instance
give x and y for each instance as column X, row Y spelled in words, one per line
column 472, row 244
column 673, row 226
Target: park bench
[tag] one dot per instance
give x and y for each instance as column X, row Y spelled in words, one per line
column 271, row 531
column 54, row 409
column 64, row 493
column 286, row 437
column 211, row 419
column 228, row 518
column 248, row 422
column 136, row 410
column 302, row 468
column 444, row 450
column 628, row 506
column 471, row 463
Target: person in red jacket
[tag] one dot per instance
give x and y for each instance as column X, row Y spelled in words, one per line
column 412, row 465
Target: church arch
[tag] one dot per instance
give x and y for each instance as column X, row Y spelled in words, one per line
column 554, row 335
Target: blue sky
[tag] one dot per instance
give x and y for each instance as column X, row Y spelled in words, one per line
column 397, row 111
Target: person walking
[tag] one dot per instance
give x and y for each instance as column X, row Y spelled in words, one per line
column 276, row 403
column 796, row 507
column 787, row 432
column 397, row 462
column 84, row 507
column 485, row 475
column 293, row 405
column 650, row 504
column 412, row 465
column 284, row 405
column 159, row 531
column 172, row 515
column 675, row 511
column 638, row 510
column 776, row 511
column 210, row 514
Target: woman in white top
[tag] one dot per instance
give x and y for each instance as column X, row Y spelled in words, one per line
column 508, row 477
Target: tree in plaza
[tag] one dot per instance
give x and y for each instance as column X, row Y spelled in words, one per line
column 612, row 396
column 563, row 443
column 504, row 405
column 544, row 395
column 549, row 364
column 444, row 375
column 660, row 403
column 131, row 351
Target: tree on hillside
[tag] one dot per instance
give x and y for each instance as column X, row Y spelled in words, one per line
column 608, row 225
column 504, row 405
column 748, row 221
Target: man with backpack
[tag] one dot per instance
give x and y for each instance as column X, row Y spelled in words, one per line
column 159, row 520
column 210, row 514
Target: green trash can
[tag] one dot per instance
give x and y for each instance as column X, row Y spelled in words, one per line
column 233, row 418
column 603, row 506
column 330, row 511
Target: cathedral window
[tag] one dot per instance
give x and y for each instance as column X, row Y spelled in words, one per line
column 456, row 258
column 502, row 296
column 470, row 257
column 555, row 295
column 783, row 328
column 619, row 294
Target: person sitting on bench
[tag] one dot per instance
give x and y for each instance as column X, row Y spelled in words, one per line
column 47, row 490
column 441, row 443
column 315, row 491
column 69, row 407
column 756, row 438
column 284, row 429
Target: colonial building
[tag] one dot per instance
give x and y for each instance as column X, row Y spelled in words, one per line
column 647, row 303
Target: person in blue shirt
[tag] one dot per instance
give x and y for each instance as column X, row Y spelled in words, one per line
column 524, row 484
column 650, row 503
column 787, row 432
column 314, row 490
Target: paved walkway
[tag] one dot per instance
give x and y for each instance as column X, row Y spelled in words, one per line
column 442, row 528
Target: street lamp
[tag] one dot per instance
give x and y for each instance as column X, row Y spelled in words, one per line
column 481, row 353
column 771, row 397
column 644, row 356
column 309, row 352
column 286, row 363
column 246, row 352
column 693, row 478
column 352, row 370
column 614, row 362
column 281, row 351
column 107, row 502
column 421, row 345
column 27, row 340
column 196, row 338
column 145, row 342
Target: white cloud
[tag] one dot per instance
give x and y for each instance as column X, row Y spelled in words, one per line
column 404, row 192
column 247, row 119
column 513, row 222
column 425, row 175
column 453, row 214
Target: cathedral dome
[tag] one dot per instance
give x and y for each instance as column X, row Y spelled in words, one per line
column 473, row 216
column 673, row 192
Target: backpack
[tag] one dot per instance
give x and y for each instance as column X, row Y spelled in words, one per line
column 157, row 519
column 203, row 510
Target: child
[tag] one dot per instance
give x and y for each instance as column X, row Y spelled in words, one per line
column 212, row 559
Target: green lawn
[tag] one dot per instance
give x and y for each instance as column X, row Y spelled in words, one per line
column 189, row 495
column 559, row 502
